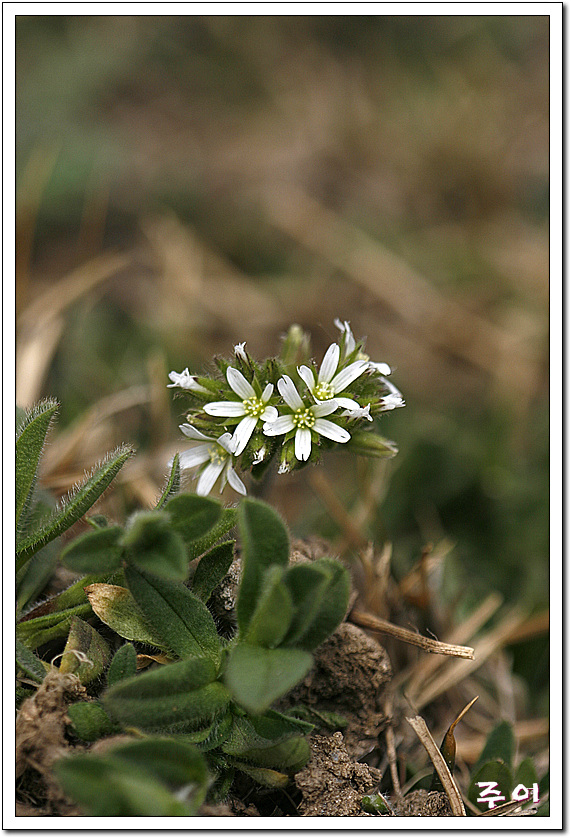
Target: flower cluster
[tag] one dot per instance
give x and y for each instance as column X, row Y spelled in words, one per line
column 254, row 414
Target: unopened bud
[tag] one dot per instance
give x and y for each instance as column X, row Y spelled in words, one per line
column 372, row 445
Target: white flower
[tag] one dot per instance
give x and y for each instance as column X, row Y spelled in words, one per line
column 381, row 368
column 304, row 419
column 394, row 399
column 359, row 413
column 216, row 457
column 328, row 384
column 347, row 339
column 185, row 380
column 252, row 407
column 240, row 352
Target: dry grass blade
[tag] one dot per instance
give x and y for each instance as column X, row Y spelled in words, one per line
column 419, row 726
column 436, row 647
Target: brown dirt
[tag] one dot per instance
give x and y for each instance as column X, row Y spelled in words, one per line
column 331, row 783
column 423, row 804
column 40, row 741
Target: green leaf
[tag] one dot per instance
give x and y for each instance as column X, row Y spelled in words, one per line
column 123, row 665
column 500, row 744
column 172, row 486
column 225, row 523
column 89, row 721
column 152, row 545
column 211, row 569
column 86, row 653
column 77, row 505
column 494, row 771
column 332, row 606
column 173, row 762
column 262, row 732
column 177, row 616
column 288, row 757
column 181, row 695
column 258, row 676
column 265, row 542
column 35, row 575
column 105, row 786
column 193, row 516
column 116, row 607
column 39, row 630
column 264, row 776
column 29, row 663
column 29, row 444
column 526, row 773
column 306, row 584
column 274, row 610
column 97, row 551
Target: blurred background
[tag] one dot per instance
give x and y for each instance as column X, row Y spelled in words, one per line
column 186, row 183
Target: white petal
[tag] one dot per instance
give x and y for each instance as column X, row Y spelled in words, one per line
column 240, row 352
column 325, row 408
column 208, row 478
column 350, row 404
column 331, row 430
column 235, row 481
column 243, row 433
column 307, row 375
column 381, row 368
column 185, row 380
column 392, row 401
column 282, row 425
column 270, row 414
column 303, row 443
column 224, row 409
column 195, row 456
column 289, row 394
column 329, row 364
column 267, row 394
column 192, row 432
column 349, row 374
column 391, row 387
column 239, row 384
column 227, row 442
column 358, row 412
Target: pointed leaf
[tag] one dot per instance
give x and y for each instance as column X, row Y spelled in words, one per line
column 271, row 619
column 116, row 607
column 29, row 663
column 86, row 653
column 123, row 665
column 193, row 516
column 172, row 486
column 225, row 523
column 176, row 615
column 77, row 505
column 258, row 676
column 265, row 542
column 97, row 551
column 152, row 545
column 211, row 569
column 39, row 630
column 29, row 444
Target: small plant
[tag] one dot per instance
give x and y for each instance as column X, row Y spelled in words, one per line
column 252, row 414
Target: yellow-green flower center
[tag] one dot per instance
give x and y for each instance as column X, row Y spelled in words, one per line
column 254, row 406
column 304, row 418
column 218, row 454
column 323, row 391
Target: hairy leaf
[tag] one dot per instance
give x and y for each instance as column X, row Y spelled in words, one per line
column 274, row 610
column 39, row 630
column 287, row 757
column 258, row 676
column 89, row 721
column 30, row 441
column 116, row 607
column 29, row 663
column 211, row 569
column 225, row 523
column 262, row 732
column 172, row 486
column 97, row 551
column 152, row 545
column 123, row 665
column 193, row 516
column 86, row 653
column 331, row 608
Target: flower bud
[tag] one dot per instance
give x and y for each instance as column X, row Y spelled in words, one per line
column 372, row 445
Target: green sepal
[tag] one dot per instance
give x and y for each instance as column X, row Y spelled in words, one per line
column 265, row 542
column 123, row 665
column 226, row 522
column 193, row 516
column 88, row 643
column 105, row 786
column 258, row 676
column 30, row 441
column 29, row 663
column 116, row 607
column 211, row 569
column 172, row 486
column 332, row 606
column 262, row 732
column 176, row 615
column 89, row 721
column 75, row 506
column 151, row 544
column 274, row 609
column 97, row 551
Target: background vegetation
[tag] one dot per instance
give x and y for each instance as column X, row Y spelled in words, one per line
column 186, row 183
